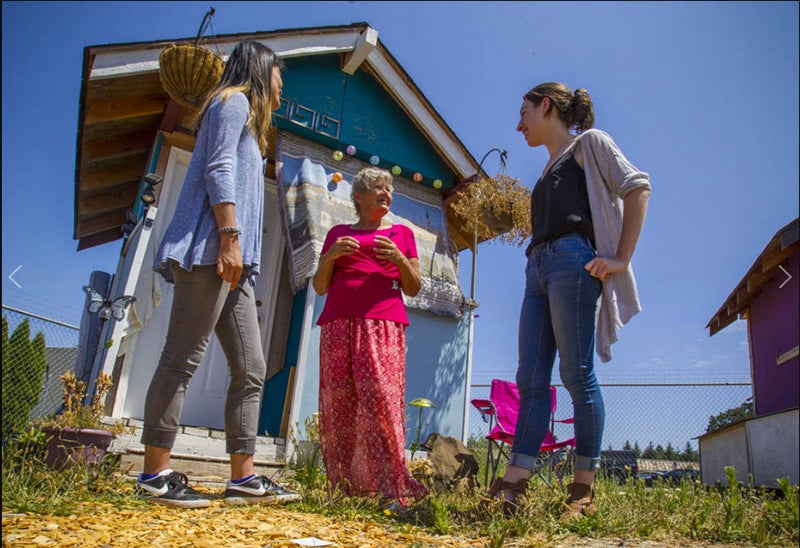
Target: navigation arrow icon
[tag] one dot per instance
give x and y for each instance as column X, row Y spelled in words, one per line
column 15, row 281
column 789, row 277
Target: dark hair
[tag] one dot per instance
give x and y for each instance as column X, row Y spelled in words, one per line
column 574, row 109
column 249, row 70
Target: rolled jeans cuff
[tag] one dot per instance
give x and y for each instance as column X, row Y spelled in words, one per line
column 530, row 463
column 241, row 446
column 589, row 464
column 522, row 461
column 158, row 437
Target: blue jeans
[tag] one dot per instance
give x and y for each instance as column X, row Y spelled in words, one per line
column 558, row 313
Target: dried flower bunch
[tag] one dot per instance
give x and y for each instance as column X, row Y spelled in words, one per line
column 312, row 426
column 500, row 206
column 78, row 415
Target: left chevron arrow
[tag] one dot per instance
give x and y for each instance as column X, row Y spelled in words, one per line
column 10, row 276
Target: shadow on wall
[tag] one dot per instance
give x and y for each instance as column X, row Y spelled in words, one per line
column 436, row 368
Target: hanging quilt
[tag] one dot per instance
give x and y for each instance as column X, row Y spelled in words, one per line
column 311, row 203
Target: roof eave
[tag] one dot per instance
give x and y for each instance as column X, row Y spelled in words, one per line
column 783, row 244
column 140, row 58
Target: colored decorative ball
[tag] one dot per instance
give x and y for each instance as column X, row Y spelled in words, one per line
column 336, row 177
column 374, row 160
column 418, row 177
column 338, row 155
column 437, row 183
column 350, row 150
column 396, row 170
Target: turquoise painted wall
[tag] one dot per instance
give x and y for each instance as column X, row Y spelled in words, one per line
column 436, row 366
column 372, row 121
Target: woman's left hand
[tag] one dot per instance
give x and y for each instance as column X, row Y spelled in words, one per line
column 388, row 251
column 601, row 267
column 229, row 259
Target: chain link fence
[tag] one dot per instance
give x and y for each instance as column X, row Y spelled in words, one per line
column 665, row 418
column 36, row 352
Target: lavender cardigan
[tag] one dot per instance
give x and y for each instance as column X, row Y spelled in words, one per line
column 226, row 167
column 609, row 178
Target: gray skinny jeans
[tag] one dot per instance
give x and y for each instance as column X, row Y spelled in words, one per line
column 202, row 303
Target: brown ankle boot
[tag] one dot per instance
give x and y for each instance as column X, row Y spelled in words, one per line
column 579, row 502
column 510, row 493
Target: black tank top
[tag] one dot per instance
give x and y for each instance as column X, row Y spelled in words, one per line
column 560, row 203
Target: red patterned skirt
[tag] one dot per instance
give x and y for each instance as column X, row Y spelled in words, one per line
column 361, row 408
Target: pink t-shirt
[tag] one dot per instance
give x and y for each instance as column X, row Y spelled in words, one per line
column 363, row 286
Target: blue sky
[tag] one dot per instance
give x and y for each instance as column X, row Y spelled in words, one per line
column 701, row 95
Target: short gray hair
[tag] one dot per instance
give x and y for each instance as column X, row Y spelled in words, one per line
column 368, row 178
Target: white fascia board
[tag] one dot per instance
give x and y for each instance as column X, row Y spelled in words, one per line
column 406, row 95
column 116, row 63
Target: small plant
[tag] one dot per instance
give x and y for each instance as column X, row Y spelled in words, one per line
column 421, row 404
column 422, row 471
column 441, row 516
column 75, row 413
column 307, row 462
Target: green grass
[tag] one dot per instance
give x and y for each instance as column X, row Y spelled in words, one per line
column 689, row 512
column 30, row 486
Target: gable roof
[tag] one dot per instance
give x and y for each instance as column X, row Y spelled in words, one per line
column 784, row 244
column 123, row 106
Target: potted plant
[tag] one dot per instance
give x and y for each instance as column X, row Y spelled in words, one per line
column 189, row 71
column 78, row 433
column 495, row 207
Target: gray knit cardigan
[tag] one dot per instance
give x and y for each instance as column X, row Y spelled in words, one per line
column 609, row 178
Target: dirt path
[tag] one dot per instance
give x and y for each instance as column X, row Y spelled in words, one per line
column 276, row 527
column 212, row 527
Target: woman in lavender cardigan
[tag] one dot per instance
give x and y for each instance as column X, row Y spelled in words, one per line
column 587, row 211
column 211, row 252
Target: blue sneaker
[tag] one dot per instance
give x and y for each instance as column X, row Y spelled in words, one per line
column 171, row 488
column 257, row 490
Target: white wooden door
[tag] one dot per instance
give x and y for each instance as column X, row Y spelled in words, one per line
column 153, row 300
column 205, row 396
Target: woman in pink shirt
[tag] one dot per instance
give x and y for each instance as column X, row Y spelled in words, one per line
column 363, row 269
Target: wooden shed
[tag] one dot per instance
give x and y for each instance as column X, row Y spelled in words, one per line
column 766, row 447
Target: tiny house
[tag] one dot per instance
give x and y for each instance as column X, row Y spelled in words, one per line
column 346, row 103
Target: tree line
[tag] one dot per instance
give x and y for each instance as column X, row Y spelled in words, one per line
column 658, row 452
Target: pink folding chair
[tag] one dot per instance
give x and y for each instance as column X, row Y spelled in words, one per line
column 500, row 411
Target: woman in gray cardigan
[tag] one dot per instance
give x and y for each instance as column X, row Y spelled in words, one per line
column 587, row 211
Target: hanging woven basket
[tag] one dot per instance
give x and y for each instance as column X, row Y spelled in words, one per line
column 189, row 72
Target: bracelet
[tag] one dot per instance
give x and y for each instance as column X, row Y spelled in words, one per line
column 229, row 230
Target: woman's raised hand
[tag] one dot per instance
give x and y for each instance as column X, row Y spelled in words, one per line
column 387, row 250
column 346, row 245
